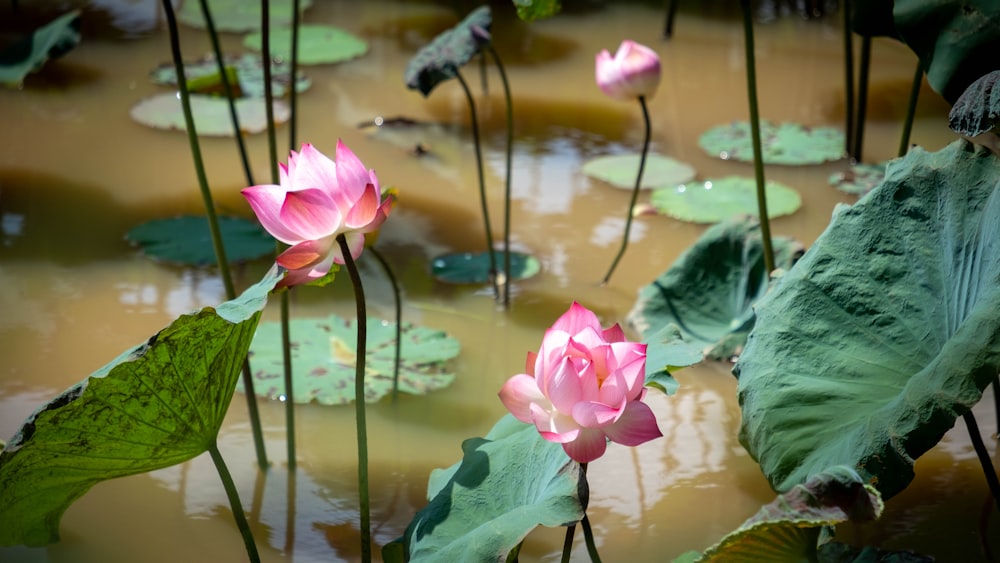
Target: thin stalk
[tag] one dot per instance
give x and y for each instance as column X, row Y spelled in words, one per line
column 996, row 401
column 359, row 400
column 482, row 182
column 635, row 192
column 863, row 72
column 290, row 510
column 265, row 47
column 911, row 110
column 984, row 457
column 568, row 543
column 668, row 25
column 507, row 176
column 286, row 356
column 293, row 95
column 399, row 320
column 848, row 79
column 213, row 221
column 588, row 536
column 758, row 158
column 234, row 498
column 483, row 78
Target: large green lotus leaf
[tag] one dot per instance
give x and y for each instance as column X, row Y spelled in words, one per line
column 211, row 114
column 474, row 267
column 29, row 54
column 710, row 290
column 507, row 484
column 620, row 170
column 788, row 528
column 440, row 59
column 187, row 240
column 249, row 69
column 156, row 405
column 318, row 44
column 324, row 354
column 859, row 178
column 718, row 199
column 785, row 143
column 239, row 16
column 868, row 349
column 667, row 351
column 978, row 108
column 956, row 41
column 531, row 10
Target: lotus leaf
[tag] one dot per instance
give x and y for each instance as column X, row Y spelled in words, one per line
column 324, row 354
column 531, row 10
column 318, row 44
column 156, row 405
column 978, row 108
column 719, row 199
column 211, row 114
column 887, row 330
column 249, row 70
column 859, row 178
column 667, row 351
column 620, row 171
column 187, row 240
column 474, row 267
column 441, row 58
column 239, row 16
column 785, row 143
column 709, row 292
column 50, row 41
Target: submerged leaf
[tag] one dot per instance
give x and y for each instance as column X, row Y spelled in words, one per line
column 211, row 114
column 239, row 15
column 29, row 54
column 318, row 44
column 249, row 70
column 157, row 405
column 620, row 170
column 859, row 178
column 187, row 240
column 441, row 58
column 785, row 143
column 718, row 199
column 977, row 110
column 887, row 330
column 474, row 267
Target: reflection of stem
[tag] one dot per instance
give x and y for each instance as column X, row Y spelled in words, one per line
column 848, row 79
column 213, row 220
column 399, row 320
column 482, row 182
column 984, row 457
column 863, row 72
column 234, row 497
column 758, row 157
column 635, row 192
column 911, row 110
column 506, row 192
column 359, row 399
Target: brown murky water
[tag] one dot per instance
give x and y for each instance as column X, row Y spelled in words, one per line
column 75, row 173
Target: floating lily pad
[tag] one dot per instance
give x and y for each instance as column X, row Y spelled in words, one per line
column 324, row 354
column 786, row 143
column 716, row 200
column 620, row 170
column 211, row 114
column 858, row 179
column 318, row 44
column 29, row 54
column 977, row 110
column 239, row 15
column 249, row 70
column 187, row 240
column 441, row 58
column 474, row 267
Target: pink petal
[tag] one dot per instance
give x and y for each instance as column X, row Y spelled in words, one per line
column 576, row 319
column 308, row 274
column 564, row 388
column 636, row 425
column 355, row 242
column 529, row 364
column 588, row 446
column 266, row 201
column 305, row 254
column 365, row 209
column 310, row 213
column 518, row 393
column 552, row 425
column 608, row 76
column 352, row 177
column 614, row 334
column 640, row 66
column 591, row 414
column 311, row 169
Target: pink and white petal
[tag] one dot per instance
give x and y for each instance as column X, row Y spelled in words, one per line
column 614, row 391
column 588, row 446
column 352, row 176
column 310, row 213
column 552, row 425
column 517, row 395
column 576, row 319
column 305, row 254
column 381, row 214
column 355, row 242
column 365, row 209
column 313, row 170
column 563, row 387
column 308, row 274
column 591, row 414
column 636, row 425
column 266, row 201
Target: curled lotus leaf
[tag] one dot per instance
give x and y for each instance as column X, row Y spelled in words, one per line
column 718, row 199
column 440, row 59
column 786, row 143
column 977, row 110
column 29, row 54
column 318, row 44
column 249, row 71
column 620, row 170
column 239, row 16
column 211, row 114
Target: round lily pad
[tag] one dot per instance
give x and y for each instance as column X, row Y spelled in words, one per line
column 786, row 143
column 318, row 44
column 474, row 267
column 187, row 240
column 249, row 71
column 859, row 179
column 324, row 354
column 211, row 114
column 239, row 15
column 620, row 170
column 716, row 200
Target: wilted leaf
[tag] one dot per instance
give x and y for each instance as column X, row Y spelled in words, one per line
column 441, row 58
column 620, row 170
column 29, row 54
column 977, row 110
column 719, row 199
column 318, row 44
column 785, row 143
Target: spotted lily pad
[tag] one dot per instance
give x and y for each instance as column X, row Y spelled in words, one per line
column 441, row 58
column 29, row 54
column 620, row 170
column 186, row 240
column 249, row 71
column 324, row 356
column 474, row 267
column 239, row 15
column 859, row 178
column 786, row 143
column 716, row 200
column 977, row 110
column 318, row 44
column 211, row 114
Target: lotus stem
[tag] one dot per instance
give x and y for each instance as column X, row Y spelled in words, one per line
column 863, row 72
column 911, row 110
column 668, row 25
column 635, row 192
column 758, row 157
column 483, row 78
column 293, row 95
column 984, row 457
column 399, row 320
column 234, row 497
column 507, row 176
column 568, row 543
column 265, row 47
column 848, row 79
column 290, row 510
column 588, row 536
column 213, row 222
column 482, row 182
column 996, row 401
column 359, row 400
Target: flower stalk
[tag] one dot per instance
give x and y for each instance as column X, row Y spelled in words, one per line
column 234, row 501
column 399, row 320
column 507, row 174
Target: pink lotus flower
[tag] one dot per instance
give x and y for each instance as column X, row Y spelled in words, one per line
column 318, row 200
column 584, row 386
column 633, row 72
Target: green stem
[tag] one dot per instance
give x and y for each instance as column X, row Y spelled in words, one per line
column 234, row 499
column 293, row 95
column 984, row 457
column 507, row 176
column 588, row 536
column 399, row 320
column 758, row 158
column 635, row 192
column 359, row 400
column 265, row 48
column 213, row 220
column 668, row 25
column 286, row 356
column 863, row 72
column 568, row 543
column 996, row 400
column 482, row 183
column 911, row 110
column 848, row 79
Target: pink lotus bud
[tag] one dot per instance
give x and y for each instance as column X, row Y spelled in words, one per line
column 633, row 72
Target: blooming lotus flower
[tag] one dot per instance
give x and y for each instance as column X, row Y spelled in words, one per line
column 318, row 200
column 583, row 387
column 633, row 72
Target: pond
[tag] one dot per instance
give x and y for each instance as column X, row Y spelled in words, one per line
column 76, row 173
